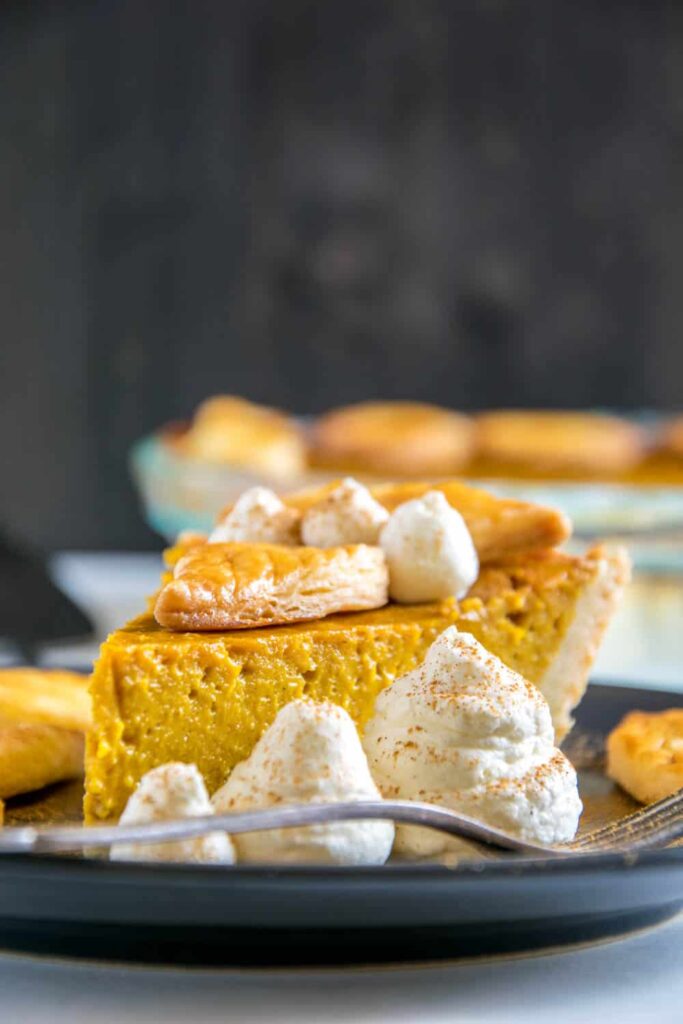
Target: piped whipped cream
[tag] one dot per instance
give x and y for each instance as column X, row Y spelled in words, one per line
column 173, row 790
column 466, row 732
column 310, row 754
column 258, row 517
column 347, row 515
column 429, row 551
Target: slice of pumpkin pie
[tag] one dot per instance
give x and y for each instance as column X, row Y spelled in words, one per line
column 205, row 695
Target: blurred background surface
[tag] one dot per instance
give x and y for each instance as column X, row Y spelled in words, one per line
column 478, row 203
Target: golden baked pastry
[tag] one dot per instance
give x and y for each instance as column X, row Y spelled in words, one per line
column 396, row 438
column 240, row 586
column 206, row 698
column 672, row 437
column 33, row 756
column 50, row 697
column 43, row 716
column 190, row 538
column 498, row 526
column 645, row 754
column 232, row 430
column 580, row 443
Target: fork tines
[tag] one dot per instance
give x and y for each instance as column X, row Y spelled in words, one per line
column 657, row 825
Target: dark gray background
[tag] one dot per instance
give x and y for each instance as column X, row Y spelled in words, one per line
column 477, row 203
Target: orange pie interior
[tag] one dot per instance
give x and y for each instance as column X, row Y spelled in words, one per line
column 206, row 698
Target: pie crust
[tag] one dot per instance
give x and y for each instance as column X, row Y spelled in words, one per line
column 232, row 430
column 241, row 586
column 672, row 437
column 394, row 438
column 553, row 441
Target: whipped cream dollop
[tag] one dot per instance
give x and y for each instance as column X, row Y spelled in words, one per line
column 464, row 731
column 311, row 753
column 173, row 790
column 429, row 551
column 347, row 515
column 258, row 517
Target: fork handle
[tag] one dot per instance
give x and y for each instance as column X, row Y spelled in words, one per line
column 53, row 839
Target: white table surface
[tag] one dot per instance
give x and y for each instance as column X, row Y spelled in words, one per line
column 635, row 980
column 638, row 979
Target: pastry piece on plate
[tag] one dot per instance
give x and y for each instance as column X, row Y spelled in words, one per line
column 645, row 754
column 47, row 696
column 43, row 716
column 36, row 755
column 240, row 586
column 160, row 695
column 395, row 438
column 498, row 526
column 232, row 430
column 556, row 442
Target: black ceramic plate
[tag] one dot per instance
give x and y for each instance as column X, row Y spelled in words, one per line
column 400, row 912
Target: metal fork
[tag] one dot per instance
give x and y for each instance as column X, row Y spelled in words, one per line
column 657, row 825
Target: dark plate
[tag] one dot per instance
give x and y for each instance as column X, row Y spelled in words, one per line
column 294, row 916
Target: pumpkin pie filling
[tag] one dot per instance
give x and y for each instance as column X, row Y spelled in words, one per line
column 206, row 698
